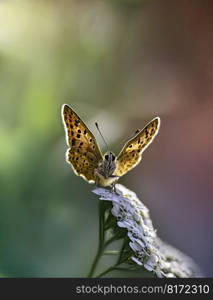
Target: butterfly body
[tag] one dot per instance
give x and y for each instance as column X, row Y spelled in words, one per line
column 101, row 180
column 86, row 158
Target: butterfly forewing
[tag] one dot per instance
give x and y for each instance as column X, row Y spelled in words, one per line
column 84, row 152
column 131, row 153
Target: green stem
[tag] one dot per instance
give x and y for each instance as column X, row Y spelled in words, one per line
column 103, row 244
column 119, row 261
column 121, row 251
column 110, row 269
column 109, row 241
column 101, row 239
column 111, row 252
column 124, row 269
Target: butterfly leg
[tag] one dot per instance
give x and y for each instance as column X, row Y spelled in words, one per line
column 113, row 188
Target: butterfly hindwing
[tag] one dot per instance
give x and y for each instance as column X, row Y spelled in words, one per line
column 84, row 152
column 131, row 153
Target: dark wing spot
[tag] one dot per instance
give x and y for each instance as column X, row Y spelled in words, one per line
column 81, row 143
column 79, row 131
column 72, row 133
column 78, row 136
column 138, row 141
column 73, row 142
column 85, row 131
column 71, row 126
column 90, row 140
column 77, row 122
column 130, row 146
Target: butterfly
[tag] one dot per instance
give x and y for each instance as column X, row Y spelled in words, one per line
column 86, row 158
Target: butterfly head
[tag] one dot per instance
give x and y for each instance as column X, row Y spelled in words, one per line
column 109, row 159
column 108, row 165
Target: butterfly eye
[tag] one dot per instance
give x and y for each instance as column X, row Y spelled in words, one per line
column 107, row 157
column 113, row 158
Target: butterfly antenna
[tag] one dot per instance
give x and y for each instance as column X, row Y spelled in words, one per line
column 96, row 124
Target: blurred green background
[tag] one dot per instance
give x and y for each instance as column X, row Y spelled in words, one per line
column 119, row 63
